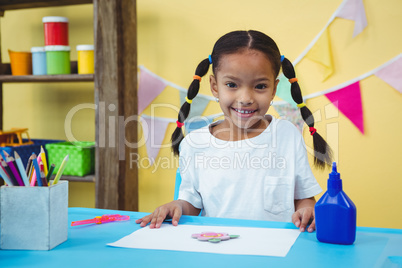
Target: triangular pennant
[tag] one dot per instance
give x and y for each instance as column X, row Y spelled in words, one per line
column 286, row 111
column 348, row 100
column 354, row 10
column 196, row 123
column 148, row 89
column 197, row 106
column 392, row 74
column 283, row 90
column 321, row 53
column 154, row 132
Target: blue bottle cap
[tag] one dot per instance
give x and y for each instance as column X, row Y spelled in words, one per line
column 334, row 175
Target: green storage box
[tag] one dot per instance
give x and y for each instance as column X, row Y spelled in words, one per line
column 81, row 160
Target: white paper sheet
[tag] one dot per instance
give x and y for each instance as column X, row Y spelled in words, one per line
column 252, row 241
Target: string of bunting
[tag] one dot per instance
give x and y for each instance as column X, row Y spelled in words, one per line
column 346, row 96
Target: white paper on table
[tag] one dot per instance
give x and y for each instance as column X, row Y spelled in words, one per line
column 252, row 241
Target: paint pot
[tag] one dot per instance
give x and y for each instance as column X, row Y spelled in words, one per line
column 21, row 62
column 56, row 31
column 58, row 59
column 85, row 59
column 38, row 61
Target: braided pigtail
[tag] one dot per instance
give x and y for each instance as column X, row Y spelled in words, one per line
column 192, row 92
column 322, row 151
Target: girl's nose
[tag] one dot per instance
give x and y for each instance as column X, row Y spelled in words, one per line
column 246, row 98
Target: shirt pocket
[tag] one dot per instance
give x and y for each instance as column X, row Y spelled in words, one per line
column 277, row 194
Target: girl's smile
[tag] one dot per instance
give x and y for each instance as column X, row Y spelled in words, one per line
column 245, row 85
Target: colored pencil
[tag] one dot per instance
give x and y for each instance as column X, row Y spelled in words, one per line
column 8, row 171
column 34, row 174
column 28, row 167
column 5, row 154
column 37, row 171
column 60, row 171
column 11, row 163
column 43, row 157
column 42, row 174
column 4, row 175
column 50, row 173
column 21, row 168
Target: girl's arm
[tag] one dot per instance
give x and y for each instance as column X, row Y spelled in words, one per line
column 304, row 214
column 173, row 210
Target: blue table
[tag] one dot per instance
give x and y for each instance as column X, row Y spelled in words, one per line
column 86, row 247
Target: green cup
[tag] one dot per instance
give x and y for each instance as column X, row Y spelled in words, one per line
column 58, row 59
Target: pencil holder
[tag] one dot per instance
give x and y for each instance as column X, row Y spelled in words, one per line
column 33, row 218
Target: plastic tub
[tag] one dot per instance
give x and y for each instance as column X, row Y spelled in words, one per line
column 38, row 61
column 85, row 59
column 56, row 31
column 81, row 157
column 21, row 62
column 58, row 59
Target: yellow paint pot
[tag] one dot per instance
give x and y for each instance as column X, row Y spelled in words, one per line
column 85, row 59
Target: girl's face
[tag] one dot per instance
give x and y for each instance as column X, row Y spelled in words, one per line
column 245, row 84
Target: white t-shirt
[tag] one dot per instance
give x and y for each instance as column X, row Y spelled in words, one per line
column 257, row 178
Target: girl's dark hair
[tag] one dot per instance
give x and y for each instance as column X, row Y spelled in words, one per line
column 234, row 42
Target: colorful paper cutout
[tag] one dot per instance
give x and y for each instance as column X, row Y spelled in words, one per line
column 213, row 237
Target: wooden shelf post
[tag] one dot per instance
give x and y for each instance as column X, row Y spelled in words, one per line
column 116, row 98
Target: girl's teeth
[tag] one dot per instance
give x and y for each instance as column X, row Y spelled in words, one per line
column 244, row 111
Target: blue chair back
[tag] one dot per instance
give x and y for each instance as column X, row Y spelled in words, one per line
column 177, row 185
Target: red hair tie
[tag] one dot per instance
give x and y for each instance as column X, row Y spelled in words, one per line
column 179, row 125
column 197, row 77
column 312, row 131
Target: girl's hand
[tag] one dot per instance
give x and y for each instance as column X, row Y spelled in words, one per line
column 173, row 209
column 303, row 217
column 304, row 214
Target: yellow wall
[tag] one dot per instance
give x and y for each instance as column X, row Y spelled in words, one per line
column 173, row 36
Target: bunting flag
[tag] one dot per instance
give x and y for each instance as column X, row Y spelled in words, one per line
column 321, row 54
column 344, row 11
column 197, row 106
column 392, row 74
column 148, row 89
column 291, row 114
column 154, row 130
column 197, row 123
column 283, row 91
column 348, row 101
column 354, row 10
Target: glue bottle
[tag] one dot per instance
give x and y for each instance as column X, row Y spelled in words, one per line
column 335, row 213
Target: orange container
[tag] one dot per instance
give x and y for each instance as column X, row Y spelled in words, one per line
column 21, row 62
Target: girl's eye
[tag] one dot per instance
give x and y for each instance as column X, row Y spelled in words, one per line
column 231, row 84
column 261, row 86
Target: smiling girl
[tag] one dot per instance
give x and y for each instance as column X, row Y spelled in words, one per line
column 227, row 167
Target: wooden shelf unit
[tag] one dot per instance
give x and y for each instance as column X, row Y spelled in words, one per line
column 115, row 82
column 7, row 77
column 87, row 178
